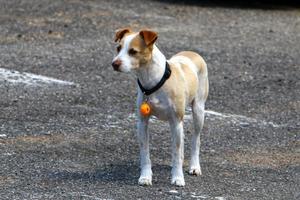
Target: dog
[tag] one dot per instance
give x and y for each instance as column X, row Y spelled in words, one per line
column 167, row 86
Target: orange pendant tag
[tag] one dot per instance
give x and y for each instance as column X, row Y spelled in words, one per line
column 145, row 109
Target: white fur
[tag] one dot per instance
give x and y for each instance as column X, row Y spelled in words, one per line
column 149, row 75
column 143, row 138
column 198, row 118
column 127, row 61
column 177, row 153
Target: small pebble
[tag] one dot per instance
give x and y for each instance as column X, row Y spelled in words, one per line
column 244, row 124
column 173, row 192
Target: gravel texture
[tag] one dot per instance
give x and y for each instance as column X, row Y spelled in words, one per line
column 77, row 140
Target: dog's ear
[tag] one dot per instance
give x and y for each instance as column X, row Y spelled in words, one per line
column 120, row 33
column 148, row 36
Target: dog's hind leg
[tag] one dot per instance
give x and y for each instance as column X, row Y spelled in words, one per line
column 198, row 118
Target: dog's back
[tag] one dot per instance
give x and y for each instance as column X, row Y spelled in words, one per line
column 193, row 66
column 196, row 59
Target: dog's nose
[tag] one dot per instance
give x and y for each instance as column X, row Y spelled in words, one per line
column 116, row 64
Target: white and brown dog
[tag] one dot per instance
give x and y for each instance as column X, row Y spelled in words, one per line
column 168, row 86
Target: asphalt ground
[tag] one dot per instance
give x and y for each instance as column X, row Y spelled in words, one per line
column 72, row 136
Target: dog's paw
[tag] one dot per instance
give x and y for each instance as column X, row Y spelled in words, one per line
column 143, row 180
column 178, row 181
column 195, row 171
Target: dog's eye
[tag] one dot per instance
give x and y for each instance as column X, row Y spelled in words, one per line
column 132, row 51
column 119, row 48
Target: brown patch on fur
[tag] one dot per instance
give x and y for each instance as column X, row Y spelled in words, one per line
column 148, row 36
column 191, row 82
column 144, row 52
column 202, row 70
column 121, row 33
column 196, row 59
column 174, row 86
column 206, row 89
column 183, row 85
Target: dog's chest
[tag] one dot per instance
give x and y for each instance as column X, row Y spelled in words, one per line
column 161, row 106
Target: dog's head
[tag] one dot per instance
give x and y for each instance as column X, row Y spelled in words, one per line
column 134, row 49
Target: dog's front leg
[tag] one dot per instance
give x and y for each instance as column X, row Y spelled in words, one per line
column 143, row 137
column 177, row 152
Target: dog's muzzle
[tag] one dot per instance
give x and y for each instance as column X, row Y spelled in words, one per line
column 116, row 64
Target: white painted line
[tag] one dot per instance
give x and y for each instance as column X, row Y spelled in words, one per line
column 242, row 120
column 8, row 154
column 220, row 198
column 16, row 77
column 199, row 196
column 238, row 119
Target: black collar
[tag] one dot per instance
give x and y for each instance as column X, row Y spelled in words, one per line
column 165, row 77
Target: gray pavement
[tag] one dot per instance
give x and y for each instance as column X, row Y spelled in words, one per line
column 67, row 120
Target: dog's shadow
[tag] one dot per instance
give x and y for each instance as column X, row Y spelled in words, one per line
column 118, row 173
